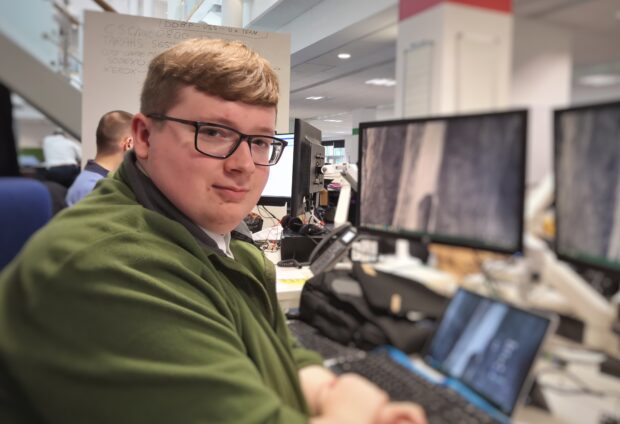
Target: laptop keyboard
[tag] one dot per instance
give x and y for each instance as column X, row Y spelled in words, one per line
column 310, row 338
column 441, row 404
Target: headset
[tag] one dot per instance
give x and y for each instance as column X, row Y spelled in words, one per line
column 296, row 225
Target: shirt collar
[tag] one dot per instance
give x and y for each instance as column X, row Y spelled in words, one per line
column 93, row 166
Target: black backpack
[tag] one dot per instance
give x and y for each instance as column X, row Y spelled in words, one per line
column 366, row 308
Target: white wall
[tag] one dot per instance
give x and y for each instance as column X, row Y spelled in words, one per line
column 584, row 95
column 30, row 132
column 253, row 9
column 424, row 28
column 454, row 75
column 541, row 82
column 488, row 35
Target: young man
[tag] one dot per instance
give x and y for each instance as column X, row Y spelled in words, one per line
column 148, row 302
column 113, row 140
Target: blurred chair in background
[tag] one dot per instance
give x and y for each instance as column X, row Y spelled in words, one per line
column 25, row 206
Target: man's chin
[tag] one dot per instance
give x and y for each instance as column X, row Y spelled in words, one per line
column 224, row 224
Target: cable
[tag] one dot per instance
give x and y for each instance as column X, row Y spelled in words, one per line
column 268, row 211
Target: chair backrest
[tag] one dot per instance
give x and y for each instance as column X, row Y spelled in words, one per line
column 25, row 206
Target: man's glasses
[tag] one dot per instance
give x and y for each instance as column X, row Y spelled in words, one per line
column 219, row 141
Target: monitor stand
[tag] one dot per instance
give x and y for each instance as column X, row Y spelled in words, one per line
column 596, row 312
column 403, row 264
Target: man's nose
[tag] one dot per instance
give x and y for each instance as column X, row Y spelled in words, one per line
column 242, row 159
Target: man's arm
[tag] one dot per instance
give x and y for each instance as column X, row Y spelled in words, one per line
column 116, row 335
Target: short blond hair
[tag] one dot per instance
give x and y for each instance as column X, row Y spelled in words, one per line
column 227, row 69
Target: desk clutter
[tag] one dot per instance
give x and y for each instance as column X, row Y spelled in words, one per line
column 481, row 352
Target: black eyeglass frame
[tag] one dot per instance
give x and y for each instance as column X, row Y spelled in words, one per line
column 247, row 137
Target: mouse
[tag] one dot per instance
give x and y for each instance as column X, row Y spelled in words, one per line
column 289, row 263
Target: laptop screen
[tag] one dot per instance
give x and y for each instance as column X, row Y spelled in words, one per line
column 488, row 345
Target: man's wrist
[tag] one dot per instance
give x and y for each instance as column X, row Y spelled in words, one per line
column 323, row 394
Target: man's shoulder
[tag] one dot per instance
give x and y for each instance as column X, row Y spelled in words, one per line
column 95, row 239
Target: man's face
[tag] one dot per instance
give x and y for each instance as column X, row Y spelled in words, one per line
column 214, row 193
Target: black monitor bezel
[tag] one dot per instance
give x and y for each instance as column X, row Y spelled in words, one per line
column 556, row 129
column 429, row 238
column 296, row 206
column 279, row 200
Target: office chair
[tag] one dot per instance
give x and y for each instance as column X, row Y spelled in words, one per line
column 25, row 206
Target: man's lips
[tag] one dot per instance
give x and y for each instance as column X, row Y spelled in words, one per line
column 232, row 188
column 231, row 193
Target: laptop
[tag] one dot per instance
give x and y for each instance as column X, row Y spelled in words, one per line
column 483, row 349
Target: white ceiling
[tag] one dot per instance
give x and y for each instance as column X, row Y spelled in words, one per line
column 593, row 24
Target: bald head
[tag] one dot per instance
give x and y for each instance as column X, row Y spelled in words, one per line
column 113, row 131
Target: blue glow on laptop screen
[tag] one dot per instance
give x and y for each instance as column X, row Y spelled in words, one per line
column 488, row 346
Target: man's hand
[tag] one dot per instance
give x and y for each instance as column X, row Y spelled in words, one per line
column 350, row 398
column 401, row 413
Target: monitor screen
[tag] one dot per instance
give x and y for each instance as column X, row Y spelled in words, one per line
column 587, row 184
column 308, row 161
column 278, row 190
column 488, row 345
column 456, row 180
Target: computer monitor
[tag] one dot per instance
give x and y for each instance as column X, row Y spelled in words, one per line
column 587, row 185
column 308, row 160
column 458, row 180
column 278, row 190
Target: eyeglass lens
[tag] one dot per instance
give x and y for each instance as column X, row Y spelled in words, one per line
column 220, row 142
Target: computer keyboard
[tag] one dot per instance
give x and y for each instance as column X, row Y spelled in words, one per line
column 441, row 404
column 310, row 338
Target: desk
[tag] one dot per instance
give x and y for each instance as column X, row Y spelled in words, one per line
column 289, row 282
column 576, row 406
column 571, row 405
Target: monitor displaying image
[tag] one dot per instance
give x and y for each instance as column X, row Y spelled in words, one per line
column 457, row 180
column 587, row 179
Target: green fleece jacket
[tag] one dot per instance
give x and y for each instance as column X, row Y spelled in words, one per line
column 122, row 311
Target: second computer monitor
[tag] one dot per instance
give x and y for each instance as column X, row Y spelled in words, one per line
column 308, row 161
column 458, row 180
column 587, row 182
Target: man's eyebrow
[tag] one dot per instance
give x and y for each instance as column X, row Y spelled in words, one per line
column 223, row 121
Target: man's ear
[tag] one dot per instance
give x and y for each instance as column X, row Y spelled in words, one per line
column 140, row 130
column 128, row 143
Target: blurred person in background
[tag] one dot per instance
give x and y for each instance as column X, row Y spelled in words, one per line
column 62, row 158
column 113, row 140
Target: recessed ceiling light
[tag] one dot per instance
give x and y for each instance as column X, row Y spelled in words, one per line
column 332, row 120
column 386, row 82
column 344, row 56
column 314, row 98
column 599, row 80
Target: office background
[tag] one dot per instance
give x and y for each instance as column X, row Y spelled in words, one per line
column 550, row 53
